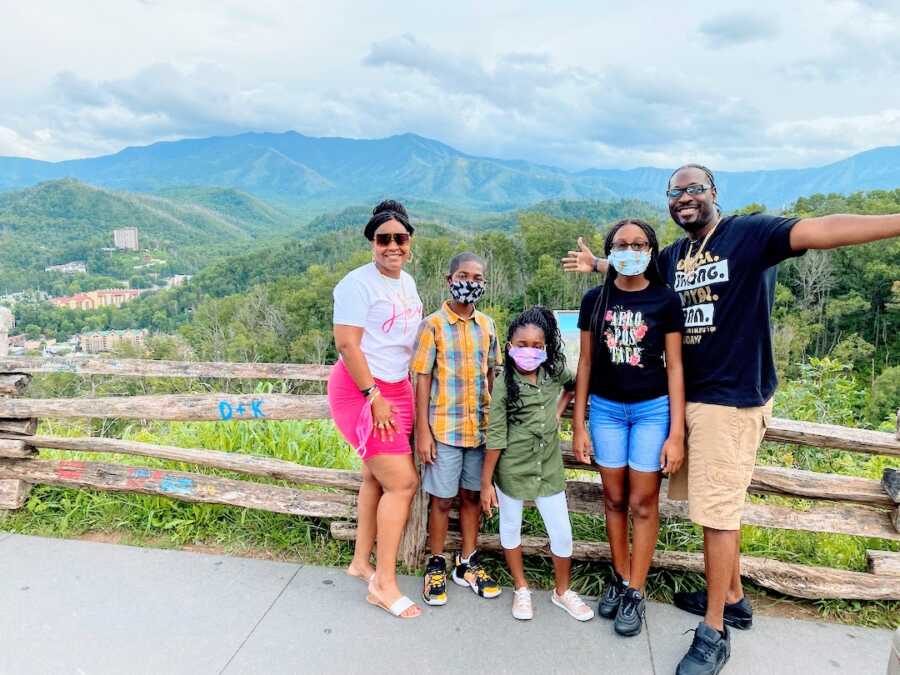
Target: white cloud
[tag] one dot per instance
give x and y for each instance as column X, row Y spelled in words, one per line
column 568, row 85
column 850, row 132
column 12, row 143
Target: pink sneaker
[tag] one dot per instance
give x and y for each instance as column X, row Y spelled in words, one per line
column 573, row 605
column 521, row 607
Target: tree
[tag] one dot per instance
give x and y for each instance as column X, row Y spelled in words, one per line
column 885, row 397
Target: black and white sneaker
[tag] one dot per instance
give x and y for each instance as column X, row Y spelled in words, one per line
column 708, row 654
column 472, row 574
column 630, row 616
column 434, row 588
column 611, row 596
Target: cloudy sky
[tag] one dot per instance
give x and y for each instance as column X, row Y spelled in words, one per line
column 578, row 84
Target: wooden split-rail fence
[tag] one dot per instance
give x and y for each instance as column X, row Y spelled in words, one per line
column 841, row 504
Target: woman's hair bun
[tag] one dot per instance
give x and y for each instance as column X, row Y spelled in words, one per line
column 389, row 209
column 390, row 205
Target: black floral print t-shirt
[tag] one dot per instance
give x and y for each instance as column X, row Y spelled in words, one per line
column 629, row 337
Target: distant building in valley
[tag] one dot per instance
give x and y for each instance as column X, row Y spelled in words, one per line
column 107, row 340
column 126, row 238
column 75, row 267
column 39, row 344
column 96, row 299
column 178, row 280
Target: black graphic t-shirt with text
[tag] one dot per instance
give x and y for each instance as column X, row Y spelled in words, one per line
column 727, row 302
column 628, row 360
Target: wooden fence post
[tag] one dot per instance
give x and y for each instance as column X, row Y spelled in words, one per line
column 13, row 492
column 412, row 545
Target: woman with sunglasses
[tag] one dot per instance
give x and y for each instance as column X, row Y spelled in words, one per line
column 377, row 311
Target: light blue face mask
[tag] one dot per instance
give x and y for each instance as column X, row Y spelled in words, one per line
column 629, row 263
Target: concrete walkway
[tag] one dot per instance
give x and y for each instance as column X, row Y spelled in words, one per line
column 82, row 607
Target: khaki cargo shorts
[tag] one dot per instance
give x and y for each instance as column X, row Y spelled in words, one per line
column 721, row 451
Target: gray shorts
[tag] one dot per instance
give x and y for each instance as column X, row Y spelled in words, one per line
column 454, row 467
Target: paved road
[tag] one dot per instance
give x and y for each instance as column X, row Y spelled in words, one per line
column 83, row 607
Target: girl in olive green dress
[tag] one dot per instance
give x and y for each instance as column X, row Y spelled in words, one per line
column 523, row 460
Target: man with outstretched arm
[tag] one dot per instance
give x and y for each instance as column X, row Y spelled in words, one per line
column 724, row 272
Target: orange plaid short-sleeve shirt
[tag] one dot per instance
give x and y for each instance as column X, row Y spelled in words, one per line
column 457, row 353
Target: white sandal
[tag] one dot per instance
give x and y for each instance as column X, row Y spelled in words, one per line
column 399, row 606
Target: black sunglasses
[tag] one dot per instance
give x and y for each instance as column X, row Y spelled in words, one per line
column 675, row 193
column 385, row 239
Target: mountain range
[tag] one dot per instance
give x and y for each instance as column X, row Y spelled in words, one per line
column 303, row 173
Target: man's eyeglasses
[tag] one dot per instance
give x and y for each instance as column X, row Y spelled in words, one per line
column 385, row 239
column 675, row 193
column 638, row 246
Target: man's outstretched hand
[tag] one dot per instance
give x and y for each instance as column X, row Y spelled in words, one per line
column 582, row 260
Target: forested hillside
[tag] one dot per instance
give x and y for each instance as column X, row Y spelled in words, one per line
column 275, row 303
column 65, row 220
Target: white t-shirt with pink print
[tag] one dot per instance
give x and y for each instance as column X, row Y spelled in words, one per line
column 389, row 312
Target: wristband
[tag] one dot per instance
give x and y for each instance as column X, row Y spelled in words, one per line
column 597, row 265
column 368, row 390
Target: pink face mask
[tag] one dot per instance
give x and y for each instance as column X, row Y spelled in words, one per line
column 528, row 359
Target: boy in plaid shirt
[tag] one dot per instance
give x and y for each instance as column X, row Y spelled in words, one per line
column 454, row 357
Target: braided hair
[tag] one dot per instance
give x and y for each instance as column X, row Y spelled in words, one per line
column 652, row 274
column 709, row 174
column 709, row 177
column 539, row 317
column 385, row 211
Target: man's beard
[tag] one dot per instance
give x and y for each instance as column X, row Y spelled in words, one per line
column 704, row 217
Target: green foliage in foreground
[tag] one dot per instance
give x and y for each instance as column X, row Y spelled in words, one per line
column 158, row 521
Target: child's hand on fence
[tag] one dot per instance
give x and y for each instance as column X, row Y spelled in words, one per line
column 581, row 445
column 425, row 446
column 488, row 499
column 672, row 456
column 383, row 419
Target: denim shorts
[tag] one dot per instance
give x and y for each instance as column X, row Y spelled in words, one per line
column 454, row 467
column 629, row 434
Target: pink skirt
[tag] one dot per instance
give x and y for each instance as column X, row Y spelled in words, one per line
column 352, row 413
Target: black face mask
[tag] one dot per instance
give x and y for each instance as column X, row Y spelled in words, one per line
column 467, row 292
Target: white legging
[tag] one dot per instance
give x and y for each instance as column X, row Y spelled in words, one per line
column 554, row 512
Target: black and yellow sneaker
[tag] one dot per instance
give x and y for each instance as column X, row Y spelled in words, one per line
column 434, row 591
column 473, row 575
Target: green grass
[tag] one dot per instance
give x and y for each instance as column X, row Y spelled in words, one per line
column 161, row 522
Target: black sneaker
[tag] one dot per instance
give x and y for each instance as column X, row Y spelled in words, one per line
column 737, row 615
column 434, row 589
column 709, row 652
column 630, row 616
column 473, row 575
column 611, row 596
